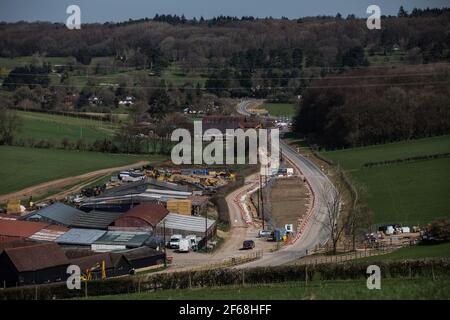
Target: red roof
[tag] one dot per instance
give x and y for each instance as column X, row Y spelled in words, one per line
column 18, row 228
column 152, row 213
column 36, row 257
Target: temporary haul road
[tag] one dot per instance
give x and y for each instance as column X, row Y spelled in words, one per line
column 315, row 231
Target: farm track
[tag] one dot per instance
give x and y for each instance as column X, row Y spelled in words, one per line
column 77, row 183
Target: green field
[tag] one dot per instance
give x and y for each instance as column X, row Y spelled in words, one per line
column 413, row 193
column 286, row 110
column 420, row 288
column 42, row 126
column 414, row 252
column 23, row 167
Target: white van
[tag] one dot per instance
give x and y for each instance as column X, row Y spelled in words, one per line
column 184, row 245
column 174, row 242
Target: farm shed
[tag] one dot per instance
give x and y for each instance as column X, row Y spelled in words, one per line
column 186, row 225
column 145, row 216
column 36, row 264
column 95, row 219
column 80, row 237
column 143, row 257
column 119, row 240
column 49, row 233
column 115, row 264
column 11, row 230
column 57, row 213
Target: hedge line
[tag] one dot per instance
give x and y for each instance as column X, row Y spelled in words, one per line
column 140, row 283
column 408, row 159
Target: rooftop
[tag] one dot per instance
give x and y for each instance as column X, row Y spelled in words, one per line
column 22, row 229
column 126, row 238
column 188, row 223
column 36, row 257
column 57, row 212
column 80, row 236
column 150, row 212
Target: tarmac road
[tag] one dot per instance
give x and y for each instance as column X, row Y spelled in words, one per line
column 315, row 232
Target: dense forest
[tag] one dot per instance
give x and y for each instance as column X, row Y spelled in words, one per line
column 371, row 106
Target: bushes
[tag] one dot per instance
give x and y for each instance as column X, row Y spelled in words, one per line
column 409, row 159
column 223, row 277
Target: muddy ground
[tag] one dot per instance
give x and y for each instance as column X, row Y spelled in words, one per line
column 289, row 197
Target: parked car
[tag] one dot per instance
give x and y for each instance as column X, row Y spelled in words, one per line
column 248, row 244
column 264, row 233
column 174, row 242
column 184, row 245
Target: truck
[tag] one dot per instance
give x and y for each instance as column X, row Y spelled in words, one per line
column 193, row 241
column 184, row 245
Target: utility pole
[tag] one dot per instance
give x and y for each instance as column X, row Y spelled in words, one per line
column 164, row 236
column 206, row 232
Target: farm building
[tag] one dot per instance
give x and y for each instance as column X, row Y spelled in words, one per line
column 11, row 230
column 80, row 237
column 143, row 258
column 115, row 264
column 57, row 213
column 145, row 216
column 49, row 233
column 95, row 219
column 186, row 225
column 119, row 240
column 36, row 264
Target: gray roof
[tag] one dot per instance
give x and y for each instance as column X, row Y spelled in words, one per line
column 95, row 219
column 140, row 186
column 127, row 238
column 80, row 236
column 187, row 223
column 57, row 212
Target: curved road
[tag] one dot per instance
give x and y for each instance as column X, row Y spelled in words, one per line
column 315, row 232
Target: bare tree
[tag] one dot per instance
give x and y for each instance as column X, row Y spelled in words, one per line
column 331, row 199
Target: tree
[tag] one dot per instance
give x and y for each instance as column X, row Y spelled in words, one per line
column 10, row 124
column 331, row 199
column 402, row 12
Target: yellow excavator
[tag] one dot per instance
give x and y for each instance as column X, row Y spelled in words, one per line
column 87, row 276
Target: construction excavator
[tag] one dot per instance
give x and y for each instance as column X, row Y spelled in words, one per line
column 87, row 276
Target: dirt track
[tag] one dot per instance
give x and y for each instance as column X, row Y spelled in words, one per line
column 78, row 182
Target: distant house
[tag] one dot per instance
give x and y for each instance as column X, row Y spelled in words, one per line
column 35, row 264
column 222, row 123
column 128, row 101
column 145, row 216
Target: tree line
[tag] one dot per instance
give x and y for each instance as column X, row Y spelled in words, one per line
column 364, row 107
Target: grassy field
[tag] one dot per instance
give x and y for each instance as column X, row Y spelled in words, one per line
column 23, row 167
column 413, row 193
column 421, row 288
column 415, row 252
column 280, row 109
column 56, row 127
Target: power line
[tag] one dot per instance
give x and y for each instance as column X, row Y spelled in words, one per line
column 246, row 88
column 251, row 78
